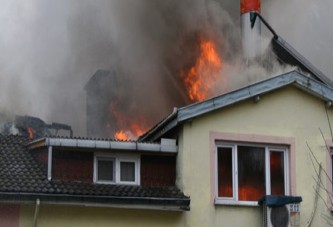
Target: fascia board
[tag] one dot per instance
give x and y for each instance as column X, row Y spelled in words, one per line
column 236, row 96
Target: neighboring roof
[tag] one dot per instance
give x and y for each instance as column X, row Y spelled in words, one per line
column 289, row 55
column 293, row 78
column 24, row 180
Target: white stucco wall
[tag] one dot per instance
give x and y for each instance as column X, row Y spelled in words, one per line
column 288, row 112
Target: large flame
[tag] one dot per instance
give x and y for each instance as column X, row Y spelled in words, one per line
column 201, row 77
column 199, row 81
column 127, row 128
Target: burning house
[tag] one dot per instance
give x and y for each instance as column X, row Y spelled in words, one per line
column 32, row 127
column 239, row 158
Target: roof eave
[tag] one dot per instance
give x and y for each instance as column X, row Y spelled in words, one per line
column 301, row 81
column 171, row 204
column 170, row 147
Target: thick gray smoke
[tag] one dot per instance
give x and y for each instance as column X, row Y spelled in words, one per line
column 50, row 49
column 306, row 25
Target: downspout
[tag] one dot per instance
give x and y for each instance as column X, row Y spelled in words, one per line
column 36, row 213
column 49, row 163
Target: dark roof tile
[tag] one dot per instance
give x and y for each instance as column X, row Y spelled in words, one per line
column 21, row 173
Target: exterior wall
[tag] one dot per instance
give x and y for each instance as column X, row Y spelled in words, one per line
column 9, row 215
column 287, row 113
column 158, row 170
column 72, row 165
column 71, row 216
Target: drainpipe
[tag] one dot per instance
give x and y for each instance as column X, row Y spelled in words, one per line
column 49, row 163
column 36, row 213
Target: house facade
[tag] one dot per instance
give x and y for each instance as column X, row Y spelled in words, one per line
column 206, row 164
column 268, row 138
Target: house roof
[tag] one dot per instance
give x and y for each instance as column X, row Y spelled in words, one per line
column 24, row 180
column 293, row 78
column 289, row 55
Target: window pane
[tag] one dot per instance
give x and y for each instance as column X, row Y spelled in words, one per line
column 251, row 173
column 105, row 170
column 277, row 172
column 224, row 172
column 127, row 171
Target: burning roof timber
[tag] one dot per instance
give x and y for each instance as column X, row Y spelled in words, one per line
column 31, row 127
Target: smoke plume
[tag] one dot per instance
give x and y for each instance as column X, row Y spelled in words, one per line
column 50, row 49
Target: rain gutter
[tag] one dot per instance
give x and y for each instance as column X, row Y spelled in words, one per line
column 151, row 203
column 166, row 145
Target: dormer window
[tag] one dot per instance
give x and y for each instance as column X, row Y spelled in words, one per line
column 105, row 169
column 116, row 169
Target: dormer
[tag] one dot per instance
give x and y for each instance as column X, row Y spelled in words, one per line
column 107, row 161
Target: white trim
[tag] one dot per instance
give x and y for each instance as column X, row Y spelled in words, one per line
column 234, row 146
column 117, row 158
column 267, row 171
column 166, row 145
column 136, row 162
column 104, row 158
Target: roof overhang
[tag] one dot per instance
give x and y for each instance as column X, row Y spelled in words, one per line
column 293, row 78
column 151, row 203
column 165, row 146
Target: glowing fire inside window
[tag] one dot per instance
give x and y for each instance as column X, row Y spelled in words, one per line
column 244, row 167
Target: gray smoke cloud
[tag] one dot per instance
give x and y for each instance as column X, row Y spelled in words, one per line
column 50, row 49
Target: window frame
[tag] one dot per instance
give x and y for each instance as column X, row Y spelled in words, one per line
column 117, row 159
column 104, row 158
column 268, row 147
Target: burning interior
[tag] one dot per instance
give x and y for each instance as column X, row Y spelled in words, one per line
column 108, row 113
column 32, row 127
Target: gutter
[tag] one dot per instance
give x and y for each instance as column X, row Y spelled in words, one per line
column 151, row 203
column 166, row 145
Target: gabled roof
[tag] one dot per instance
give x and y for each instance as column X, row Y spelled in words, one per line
column 24, row 180
column 293, row 78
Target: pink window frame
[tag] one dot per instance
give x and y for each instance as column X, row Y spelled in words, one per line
column 329, row 186
column 252, row 138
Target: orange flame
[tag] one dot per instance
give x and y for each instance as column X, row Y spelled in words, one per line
column 200, row 78
column 31, row 132
column 121, row 135
column 127, row 128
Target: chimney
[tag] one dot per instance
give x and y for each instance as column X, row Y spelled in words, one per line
column 251, row 29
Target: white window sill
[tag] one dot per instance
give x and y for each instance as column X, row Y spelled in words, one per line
column 119, row 183
column 235, row 203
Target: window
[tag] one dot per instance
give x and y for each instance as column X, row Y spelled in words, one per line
column 116, row 169
column 245, row 172
column 105, row 169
